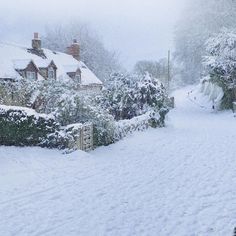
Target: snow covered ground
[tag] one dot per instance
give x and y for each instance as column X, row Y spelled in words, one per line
column 179, row 180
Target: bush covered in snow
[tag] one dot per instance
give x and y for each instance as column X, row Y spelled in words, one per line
column 126, row 97
column 131, row 96
column 74, row 109
column 24, row 127
column 64, row 138
column 200, row 19
column 220, row 64
column 125, row 127
column 64, row 101
column 21, row 126
column 17, row 93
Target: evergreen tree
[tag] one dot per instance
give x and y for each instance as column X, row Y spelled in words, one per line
column 220, row 64
column 201, row 20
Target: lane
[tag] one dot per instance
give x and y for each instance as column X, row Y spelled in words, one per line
column 179, row 180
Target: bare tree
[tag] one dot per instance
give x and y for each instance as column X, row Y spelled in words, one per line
column 157, row 69
column 93, row 52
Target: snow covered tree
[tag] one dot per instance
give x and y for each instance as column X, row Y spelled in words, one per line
column 76, row 108
column 133, row 96
column 92, row 50
column 220, row 64
column 152, row 67
column 19, row 93
column 156, row 69
column 200, row 20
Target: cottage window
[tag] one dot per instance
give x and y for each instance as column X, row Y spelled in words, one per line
column 51, row 73
column 31, row 75
column 78, row 77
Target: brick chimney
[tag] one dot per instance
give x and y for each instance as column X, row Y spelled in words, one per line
column 74, row 50
column 36, row 42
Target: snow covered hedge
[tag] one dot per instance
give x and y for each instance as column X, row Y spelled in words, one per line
column 20, row 126
column 67, row 137
column 126, row 97
column 132, row 96
column 24, row 127
column 125, row 127
column 136, row 103
column 139, row 123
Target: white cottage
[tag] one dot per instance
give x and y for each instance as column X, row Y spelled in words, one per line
column 36, row 63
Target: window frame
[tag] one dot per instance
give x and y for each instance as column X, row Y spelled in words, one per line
column 78, row 77
column 51, row 71
column 31, row 75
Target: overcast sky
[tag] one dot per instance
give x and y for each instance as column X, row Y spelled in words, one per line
column 137, row 29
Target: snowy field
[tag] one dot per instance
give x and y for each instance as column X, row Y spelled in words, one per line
column 179, row 180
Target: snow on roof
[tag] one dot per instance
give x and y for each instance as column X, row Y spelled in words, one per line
column 87, row 76
column 21, row 64
column 70, row 68
column 42, row 63
column 14, row 57
column 66, row 63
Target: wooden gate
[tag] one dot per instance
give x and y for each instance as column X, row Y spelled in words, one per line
column 87, row 137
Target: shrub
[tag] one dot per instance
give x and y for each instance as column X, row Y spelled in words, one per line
column 67, row 137
column 24, row 127
column 132, row 96
column 126, row 98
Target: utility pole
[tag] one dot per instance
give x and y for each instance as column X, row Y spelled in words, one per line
column 168, row 72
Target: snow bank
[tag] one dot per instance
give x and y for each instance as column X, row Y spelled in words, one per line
column 206, row 94
column 212, row 91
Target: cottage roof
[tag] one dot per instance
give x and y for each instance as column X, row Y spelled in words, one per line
column 70, row 68
column 14, row 57
column 21, row 64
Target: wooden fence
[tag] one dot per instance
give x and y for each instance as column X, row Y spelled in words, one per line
column 87, row 137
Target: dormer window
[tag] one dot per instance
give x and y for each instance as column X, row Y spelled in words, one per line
column 31, row 75
column 78, row 78
column 51, row 73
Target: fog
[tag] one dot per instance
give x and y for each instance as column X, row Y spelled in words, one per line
column 135, row 29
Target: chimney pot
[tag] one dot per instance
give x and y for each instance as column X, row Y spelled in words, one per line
column 74, row 50
column 36, row 35
column 36, row 42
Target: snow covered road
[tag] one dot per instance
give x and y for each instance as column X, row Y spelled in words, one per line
column 179, row 180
